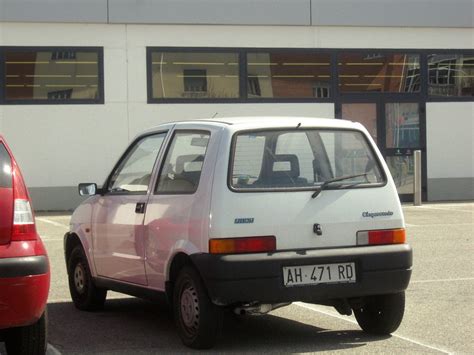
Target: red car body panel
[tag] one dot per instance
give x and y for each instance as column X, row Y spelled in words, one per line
column 24, row 265
column 22, row 300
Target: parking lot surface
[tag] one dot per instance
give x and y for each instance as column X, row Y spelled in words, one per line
column 439, row 314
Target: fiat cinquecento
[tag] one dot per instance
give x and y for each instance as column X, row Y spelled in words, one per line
column 245, row 214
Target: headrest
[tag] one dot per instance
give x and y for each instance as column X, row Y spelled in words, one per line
column 285, row 165
column 189, row 162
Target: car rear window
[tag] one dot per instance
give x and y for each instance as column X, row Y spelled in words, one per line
column 5, row 168
column 302, row 159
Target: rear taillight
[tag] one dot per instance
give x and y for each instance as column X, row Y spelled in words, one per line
column 242, row 245
column 23, row 221
column 384, row 236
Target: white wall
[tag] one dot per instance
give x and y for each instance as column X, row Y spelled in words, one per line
column 61, row 145
column 450, row 132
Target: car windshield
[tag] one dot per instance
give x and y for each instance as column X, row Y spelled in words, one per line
column 303, row 159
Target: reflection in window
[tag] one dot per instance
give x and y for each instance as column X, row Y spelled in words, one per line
column 364, row 113
column 288, row 75
column 182, row 168
column 51, row 75
column 194, row 75
column 379, row 72
column 402, row 125
column 134, row 172
column 451, row 75
column 402, row 170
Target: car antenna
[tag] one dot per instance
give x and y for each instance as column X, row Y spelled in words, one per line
column 215, row 114
column 298, row 125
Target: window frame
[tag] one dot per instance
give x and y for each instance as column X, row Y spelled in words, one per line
column 230, row 167
column 169, row 143
column 100, row 85
column 336, row 95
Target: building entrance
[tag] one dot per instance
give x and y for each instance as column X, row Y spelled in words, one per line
column 398, row 128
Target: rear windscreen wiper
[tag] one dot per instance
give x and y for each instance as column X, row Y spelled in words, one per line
column 326, row 183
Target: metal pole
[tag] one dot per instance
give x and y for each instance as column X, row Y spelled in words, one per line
column 417, row 177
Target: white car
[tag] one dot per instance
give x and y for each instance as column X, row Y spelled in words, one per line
column 246, row 214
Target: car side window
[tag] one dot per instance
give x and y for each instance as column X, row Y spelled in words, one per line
column 5, row 168
column 134, row 171
column 182, row 168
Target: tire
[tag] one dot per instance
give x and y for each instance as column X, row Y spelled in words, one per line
column 29, row 340
column 198, row 320
column 85, row 295
column 381, row 314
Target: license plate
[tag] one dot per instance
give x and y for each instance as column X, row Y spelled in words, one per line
column 318, row 274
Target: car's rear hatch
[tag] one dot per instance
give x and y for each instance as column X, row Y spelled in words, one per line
column 272, row 179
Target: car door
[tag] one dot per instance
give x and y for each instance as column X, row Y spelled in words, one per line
column 177, row 216
column 117, row 216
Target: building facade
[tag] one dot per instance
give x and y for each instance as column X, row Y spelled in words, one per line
column 80, row 78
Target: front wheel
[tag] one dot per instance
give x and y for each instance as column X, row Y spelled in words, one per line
column 199, row 321
column 381, row 314
column 29, row 340
column 85, row 295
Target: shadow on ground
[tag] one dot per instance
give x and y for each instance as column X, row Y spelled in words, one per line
column 135, row 326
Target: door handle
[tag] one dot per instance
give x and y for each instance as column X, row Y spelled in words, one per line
column 140, row 207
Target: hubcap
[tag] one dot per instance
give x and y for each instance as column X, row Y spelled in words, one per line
column 79, row 278
column 190, row 308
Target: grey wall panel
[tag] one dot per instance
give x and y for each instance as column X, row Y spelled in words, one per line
column 451, row 189
column 228, row 12
column 89, row 11
column 396, row 13
column 60, row 198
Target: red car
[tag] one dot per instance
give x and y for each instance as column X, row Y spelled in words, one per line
column 24, row 265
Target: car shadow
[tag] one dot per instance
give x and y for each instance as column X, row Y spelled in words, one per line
column 132, row 325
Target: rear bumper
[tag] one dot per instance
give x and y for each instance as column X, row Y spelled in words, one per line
column 259, row 277
column 24, row 287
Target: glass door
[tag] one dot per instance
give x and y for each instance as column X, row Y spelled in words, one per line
column 398, row 130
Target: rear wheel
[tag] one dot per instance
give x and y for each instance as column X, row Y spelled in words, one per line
column 381, row 314
column 29, row 340
column 199, row 321
column 85, row 295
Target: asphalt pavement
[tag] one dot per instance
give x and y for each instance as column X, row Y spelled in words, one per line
column 439, row 314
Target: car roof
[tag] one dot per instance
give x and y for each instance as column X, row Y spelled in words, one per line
column 262, row 122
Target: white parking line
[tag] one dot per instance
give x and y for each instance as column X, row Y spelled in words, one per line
column 442, row 280
column 441, row 209
column 45, row 220
column 51, row 350
column 438, row 224
column 344, row 318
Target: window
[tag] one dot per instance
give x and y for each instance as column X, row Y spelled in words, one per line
column 182, row 168
column 134, row 172
column 303, row 159
column 402, row 125
column 53, row 76
column 5, row 168
column 379, row 72
column 194, row 75
column 288, row 75
column 450, row 75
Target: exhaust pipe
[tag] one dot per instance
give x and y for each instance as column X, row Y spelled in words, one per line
column 257, row 309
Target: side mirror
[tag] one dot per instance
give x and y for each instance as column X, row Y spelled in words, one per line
column 87, row 189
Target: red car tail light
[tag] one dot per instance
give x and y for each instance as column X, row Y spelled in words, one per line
column 384, row 236
column 242, row 245
column 23, row 220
